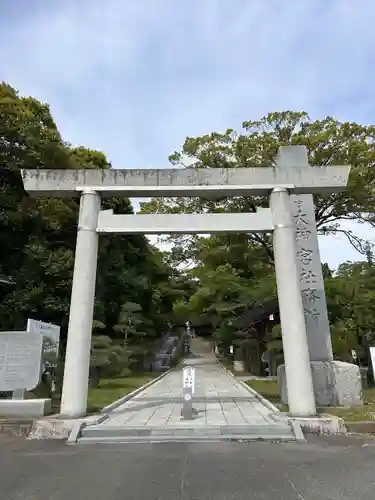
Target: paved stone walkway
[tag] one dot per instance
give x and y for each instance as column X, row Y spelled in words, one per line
column 219, row 398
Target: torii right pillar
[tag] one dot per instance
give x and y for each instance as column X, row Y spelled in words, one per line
column 335, row 383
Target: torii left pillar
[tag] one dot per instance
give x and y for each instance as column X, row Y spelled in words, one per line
column 78, row 349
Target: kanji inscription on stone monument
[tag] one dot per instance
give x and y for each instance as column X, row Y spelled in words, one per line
column 311, row 278
column 310, row 294
column 305, row 256
column 189, row 378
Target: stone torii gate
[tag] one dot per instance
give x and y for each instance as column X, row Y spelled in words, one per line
column 309, row 375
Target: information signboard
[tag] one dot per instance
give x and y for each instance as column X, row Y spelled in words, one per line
column 20, row 359
column 49, row 332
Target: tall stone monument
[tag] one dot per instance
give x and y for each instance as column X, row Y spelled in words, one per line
column 335, row 383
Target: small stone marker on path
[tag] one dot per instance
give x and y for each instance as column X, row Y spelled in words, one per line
column 188, row 387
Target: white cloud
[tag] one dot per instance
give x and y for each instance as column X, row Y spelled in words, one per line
column 134, row 78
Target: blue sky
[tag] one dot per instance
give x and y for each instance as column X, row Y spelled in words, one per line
column 133, row 78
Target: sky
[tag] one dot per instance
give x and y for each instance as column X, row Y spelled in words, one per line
column 134, row 78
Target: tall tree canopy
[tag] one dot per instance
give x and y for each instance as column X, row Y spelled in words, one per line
column 38, row 236
column 329, row 142
column 235, row 272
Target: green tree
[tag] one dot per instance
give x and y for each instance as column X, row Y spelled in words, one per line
column 351, row 308
column 39, row 236
column 28, row 139
column 131, row 322
column 250, row 256
column 107, row 358
column 329, row 142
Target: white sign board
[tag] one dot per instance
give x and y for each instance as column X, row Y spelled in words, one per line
column 20, row 359
column 188, row 378
column 231, row 349
column 372, row 354
column 49, row 332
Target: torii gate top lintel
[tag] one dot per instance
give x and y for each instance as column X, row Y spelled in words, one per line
column 291, row 172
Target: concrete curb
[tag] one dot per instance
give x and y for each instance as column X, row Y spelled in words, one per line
column 254, row 393
column 75, row 432
column 59, row 428
column 186, row 430
column 325, row 425
column 186, row 439
column 211, row 433
column 79, row 426
column 16, row 427
column 297, row 431
column 261, row 398
column 322, row 425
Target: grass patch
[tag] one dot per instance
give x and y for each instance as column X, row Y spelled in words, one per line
column 108, row 391
column 357, row 413
column 268, row 389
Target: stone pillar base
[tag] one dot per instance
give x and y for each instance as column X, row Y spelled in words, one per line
column 335, row 383
column 25, row 408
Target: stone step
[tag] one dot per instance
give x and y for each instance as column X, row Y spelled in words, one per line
column 105, row 429
column 282, row 438
column 107, row 434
